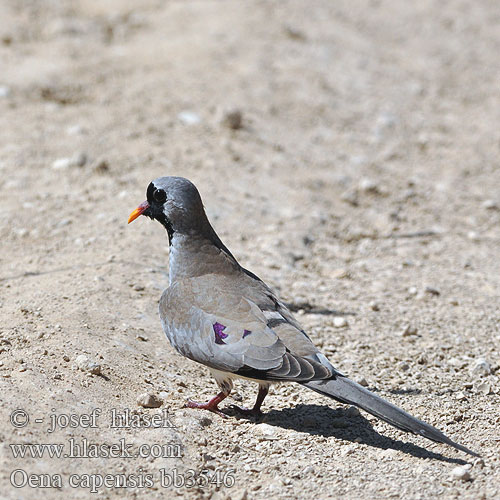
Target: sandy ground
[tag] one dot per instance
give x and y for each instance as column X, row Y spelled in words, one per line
column 363, row 184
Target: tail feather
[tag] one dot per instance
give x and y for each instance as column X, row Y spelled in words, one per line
column 346, row 391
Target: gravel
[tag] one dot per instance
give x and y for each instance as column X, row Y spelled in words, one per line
column 233, row 119
column 188, row 117
column 462, row 473
column 481, row 368
column 339, row 322
column 369, row 144
column 149, row 400
column 85, row 364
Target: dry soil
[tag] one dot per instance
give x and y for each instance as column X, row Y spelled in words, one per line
column 362, row 183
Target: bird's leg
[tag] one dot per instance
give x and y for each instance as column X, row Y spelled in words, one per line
column 212, row 405
column 226, row 386
column 255, row 411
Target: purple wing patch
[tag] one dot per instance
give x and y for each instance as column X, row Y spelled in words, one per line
column 219, row 333
column 246, row 333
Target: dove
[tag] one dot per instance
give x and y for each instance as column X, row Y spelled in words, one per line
column 219, row 314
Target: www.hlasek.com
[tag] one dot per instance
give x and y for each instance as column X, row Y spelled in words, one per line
column 86, row 449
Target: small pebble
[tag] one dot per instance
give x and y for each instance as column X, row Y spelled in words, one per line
column 101, row 166
column 149, row 400
column 422, row 359
column 22, row 232
column 348, row 450
column 483, row 388
column 207, row 457
column 75, row 130
column 77, row 160
column 233, row 119
column 189, row 117
column 85, row 364
column 4, row 91
column 389, row 454
column 294, row 33
column 362, row 381
column 352, row 411
column 339, row 322
column 350, row 196
column 490, row 205
column 267, row 431
column 61, row 163
column 409, row 330
column 340, row 273
column 481, row 368
column 369, row 186
column 459, row 364
column 205, row 421
column 462, row 473
column 374, row 306
column 237, row 396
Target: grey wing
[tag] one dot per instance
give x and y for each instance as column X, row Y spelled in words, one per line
column 245, row 335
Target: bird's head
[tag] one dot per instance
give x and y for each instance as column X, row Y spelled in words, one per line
column 175, row 203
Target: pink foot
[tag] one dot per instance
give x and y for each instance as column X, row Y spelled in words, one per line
column 205, row 406
column 212, row 405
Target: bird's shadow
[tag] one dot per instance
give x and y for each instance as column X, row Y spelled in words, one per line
column 324, row 421
column 309, row 308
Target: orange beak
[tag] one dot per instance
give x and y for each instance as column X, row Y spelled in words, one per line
column 138, row 211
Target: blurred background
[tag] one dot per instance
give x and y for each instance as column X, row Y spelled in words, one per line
column 347, row 152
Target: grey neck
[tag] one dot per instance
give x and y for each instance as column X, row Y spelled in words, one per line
column 195, row 255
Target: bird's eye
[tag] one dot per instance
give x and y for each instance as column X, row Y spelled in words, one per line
column 160, row 196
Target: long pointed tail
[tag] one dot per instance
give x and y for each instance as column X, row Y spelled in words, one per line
column 346, row 391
